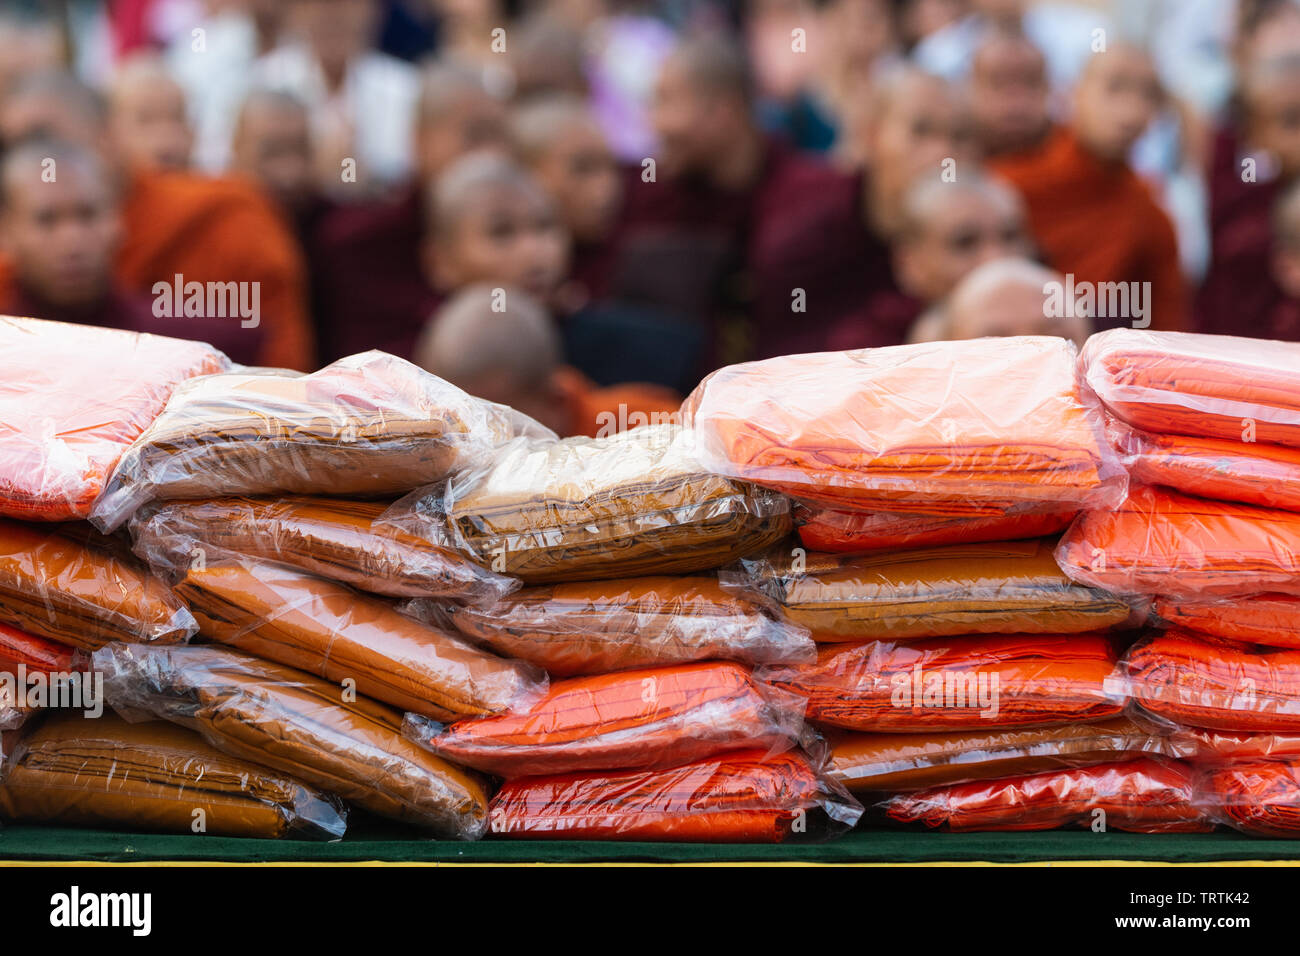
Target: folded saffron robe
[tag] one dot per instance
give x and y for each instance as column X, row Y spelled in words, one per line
column 1269, row 619
column 859, row 532
column 1261, row 797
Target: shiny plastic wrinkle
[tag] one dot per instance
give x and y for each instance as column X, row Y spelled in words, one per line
column 977, row 427
column 860, row 532
column 72, row 399
column 1258, row 797
column 1269, row 619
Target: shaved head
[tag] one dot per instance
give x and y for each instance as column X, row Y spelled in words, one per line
column 1006, row 297
column 148, row 119
column 456, row 115
column 53, row 104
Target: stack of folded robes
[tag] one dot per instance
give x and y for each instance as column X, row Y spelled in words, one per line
column 22, row 656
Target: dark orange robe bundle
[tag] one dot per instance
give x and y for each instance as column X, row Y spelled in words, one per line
column 1145, row 795
column 1161, row 542
column 957, row 684
column 1214, row 747
column 1206, row 386
column 1196, row 680
column 859, row 532
column 970, row 428
column 655, row 717
column 72, row 398
column 741, row 797
column 1261, row 797
column 1269, row 619
column 34, row 653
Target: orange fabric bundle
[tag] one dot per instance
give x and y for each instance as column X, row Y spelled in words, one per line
column 1206, row 386
column 1260, row 797
column 945, row 684
column 654, row 717
column 857, row 532
column 34, row 653
column 1161, row 542
column 1224, row 746
column 742, row 797
column 72, row 398
column 1270, row 619
column 1225, row 469
column 1143, row 796
column 1217, row 684
column 867, row 763
column 977, row 427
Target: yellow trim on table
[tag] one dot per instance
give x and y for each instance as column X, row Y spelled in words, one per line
column 764, row 863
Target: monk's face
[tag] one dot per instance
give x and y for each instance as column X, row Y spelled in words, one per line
column 970, row 228
column 1008, row 96
column 506, row 236
column 579, row 172
column 149, row 126
column 1274, row 120
column 273, row 147
column 693, row 124
column 1117, row 97
column 336, row 30
column 475, row 121
column 923, row 124
column 61, row 235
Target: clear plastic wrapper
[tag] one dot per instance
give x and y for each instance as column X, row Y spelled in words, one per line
column 878, row 763
column 107, row 773
column 325, row 628
column 638, row 719
column 1270, row 619
column 1224, row 469
column 367, row 425
column 333, row 537
column 957, row 683
column 1206, row 386
column 632, row 504
column 601, row 626
column 860, row 532
column 1215, row 747
column 21, row 656
column 298, row 724
column 740, row 797
column 1203, row 682
column 1006, row 587
column 1145, row 795
column 977, row 427
column 72, row 398
column 54, row 586
column 1259, row 797
column 1174, row 545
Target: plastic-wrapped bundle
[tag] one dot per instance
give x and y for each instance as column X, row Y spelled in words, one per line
column 1146, row 795
column 1161, row 542
column 72, row 398
column 1207, row 386
column 1196, row 680
column 867, row 763
column 638, row 719
column 300, row 725
column 740, row 797
column 367, row 425
column 72, row 771
column 582, row 509
column 1008, row 587
column 1261, row 797
column 601, row 626
column 957, row 684
column 859, row 532
column 20, row 653
column 977, row 427
column 1224, row 469
column 56, row 587
column 285, row 615
column 333, row 537
column 1225, row 746
column 1271, row 619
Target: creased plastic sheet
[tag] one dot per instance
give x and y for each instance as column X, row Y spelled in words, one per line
column 1260, row 797
column 1271, row 619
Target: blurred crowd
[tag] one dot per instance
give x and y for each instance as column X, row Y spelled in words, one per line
column 582, row 206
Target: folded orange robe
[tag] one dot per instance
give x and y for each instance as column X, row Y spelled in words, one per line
column 602, row 626
column 741, row 797
column 55, row 587
column 34, row 653
column 367, row 425
column 1161, row 542
column 966, row 428
column 867, row 763
column 1006, row 587
column 858, row 532
column 1225, row 469
column 155, row 776
column 1142, row 796
column 1214, row 747
column 1204, row 682
column 303, row 726
column 285, row 615
column 1206, row 386
column 72, row 398
column 957, row 684
column 654, row 717
column 1270, row 619
column 1260, row 797
column 333, row 537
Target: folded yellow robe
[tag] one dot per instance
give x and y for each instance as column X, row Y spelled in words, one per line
column 74, row 771
column 300, row 725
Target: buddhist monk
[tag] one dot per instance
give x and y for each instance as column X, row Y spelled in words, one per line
column 148, row 125
column 1089, row 212
column 272, row 147
column 1009, row 92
